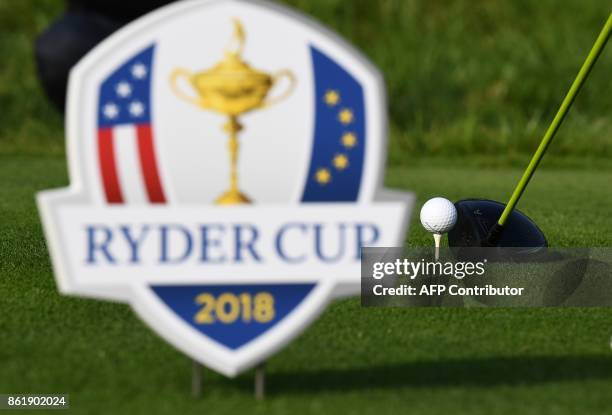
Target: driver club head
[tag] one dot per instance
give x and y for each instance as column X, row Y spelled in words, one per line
column 476, row 218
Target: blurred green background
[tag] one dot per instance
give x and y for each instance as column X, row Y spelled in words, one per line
column 463, row 77
column 472, row 86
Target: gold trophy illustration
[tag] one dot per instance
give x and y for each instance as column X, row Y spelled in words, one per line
column 232, row 88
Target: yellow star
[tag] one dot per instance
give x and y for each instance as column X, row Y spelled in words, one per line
column 341, row 161
column 346, row 116
column 349, row 140
column 332, row 97
column 323, row 176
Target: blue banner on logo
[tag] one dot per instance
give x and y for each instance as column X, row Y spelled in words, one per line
column 233, row 315
column 339, row 137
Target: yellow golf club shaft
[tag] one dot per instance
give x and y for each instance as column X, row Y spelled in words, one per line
column 558, row 120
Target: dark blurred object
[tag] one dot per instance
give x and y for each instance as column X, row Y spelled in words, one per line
column 76, row 32
column 63, row 44
column 120, row 10
column 476, row 218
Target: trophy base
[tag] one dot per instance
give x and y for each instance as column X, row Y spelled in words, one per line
column 233, row 197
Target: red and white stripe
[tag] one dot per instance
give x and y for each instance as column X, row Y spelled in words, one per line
column 128, row 165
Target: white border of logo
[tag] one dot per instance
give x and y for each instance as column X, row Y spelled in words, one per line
column 81, row 192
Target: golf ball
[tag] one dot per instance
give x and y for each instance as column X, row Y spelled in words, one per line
column 438, row 215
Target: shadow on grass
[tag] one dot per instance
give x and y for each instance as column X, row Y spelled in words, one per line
column 485, row 372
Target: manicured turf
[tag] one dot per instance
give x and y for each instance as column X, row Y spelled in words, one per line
column 353, row 360
column 463, row 77
column 471, row 85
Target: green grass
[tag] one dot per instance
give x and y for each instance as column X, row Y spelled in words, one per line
column 353, row 360
column 28, row 123
column 472, row 86
column 468, row 77
column 463, row 76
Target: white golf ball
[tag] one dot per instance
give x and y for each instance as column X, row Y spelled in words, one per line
column 438, row 215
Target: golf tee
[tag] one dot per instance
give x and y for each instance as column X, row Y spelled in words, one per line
column 437, row 241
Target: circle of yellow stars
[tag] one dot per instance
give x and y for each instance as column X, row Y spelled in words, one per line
column 340, row 161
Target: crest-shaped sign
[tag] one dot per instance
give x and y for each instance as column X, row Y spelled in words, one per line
column 225, row 159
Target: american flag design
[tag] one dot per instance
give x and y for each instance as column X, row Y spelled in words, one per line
column 128, row 163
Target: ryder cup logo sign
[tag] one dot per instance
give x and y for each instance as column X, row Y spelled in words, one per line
column 225, row 162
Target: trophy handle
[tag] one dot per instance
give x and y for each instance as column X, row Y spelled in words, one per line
column 275, row 78
column 174, row 78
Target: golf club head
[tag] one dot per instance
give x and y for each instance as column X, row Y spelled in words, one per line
column 476, row 217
